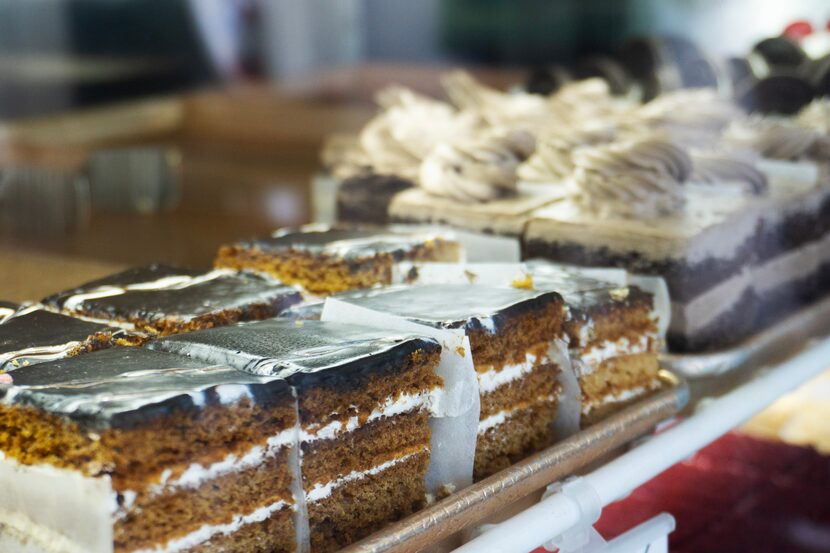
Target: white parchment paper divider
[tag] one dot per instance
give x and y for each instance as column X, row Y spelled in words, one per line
column 455, row 411
column 486, row 274
column 569, row 409
column 57, row 509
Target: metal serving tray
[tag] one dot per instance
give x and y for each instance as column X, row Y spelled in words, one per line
column 779, row 340
column 443, row 522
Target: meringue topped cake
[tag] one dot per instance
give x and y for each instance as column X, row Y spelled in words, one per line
column 421, row 160
column 738, row 241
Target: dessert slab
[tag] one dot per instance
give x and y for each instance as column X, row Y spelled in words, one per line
column 440, row 526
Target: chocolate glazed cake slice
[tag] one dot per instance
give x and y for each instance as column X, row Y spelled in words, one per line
column 364, row 398
column 165, row 300
column 511, row 333
column 31, row 335
column 131, row 450
column 325, row 259
column 613, row 337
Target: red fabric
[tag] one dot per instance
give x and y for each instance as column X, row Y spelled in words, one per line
column 739, row 494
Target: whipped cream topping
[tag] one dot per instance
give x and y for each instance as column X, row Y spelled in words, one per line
column 496, row 108
column 696, row 107
column 478, row 169
column 409, row 127
column 688, row 117
column 778, row 139
column 713, row 168
column 639, row 179
column 578, row 102
column 553, row 159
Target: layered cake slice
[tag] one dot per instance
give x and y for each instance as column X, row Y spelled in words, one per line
column 326, row 259
column 614, row 329
column 131, row 450
column 164, row 300
column 364, row 398
column 32, row 334
column 739, row 244
column 511, row 333
column 613, row 338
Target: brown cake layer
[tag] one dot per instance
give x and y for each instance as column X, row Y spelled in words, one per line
column 526, row 431
column 613, row 377
column 323, row 273
column 628, row 317
column 167, row 326
column 273, row 535
column 540, row 382
column 153, row 519
column 135, row 457
column 530, row 331
column 365, row 447
column 103, row 340
column 364, row 502
column 356, row 509
column 329, row 400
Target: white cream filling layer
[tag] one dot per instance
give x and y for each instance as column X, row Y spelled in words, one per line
column 404, row 403
column 594, row 356
column 707, row 307
column 503, row 416
column 321, row 491
column 208, row 531
column 196, row 474
column 625, row 395
column 493, row 379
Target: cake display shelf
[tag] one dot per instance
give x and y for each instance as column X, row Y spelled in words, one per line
column 784, row 336
column 443, row 520
column 560, row 512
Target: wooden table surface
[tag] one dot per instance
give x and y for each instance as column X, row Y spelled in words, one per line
column 248, row 155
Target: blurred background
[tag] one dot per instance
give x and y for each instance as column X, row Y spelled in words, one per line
column 140, row 130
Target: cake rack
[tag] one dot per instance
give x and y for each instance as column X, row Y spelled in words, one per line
column 438, row 525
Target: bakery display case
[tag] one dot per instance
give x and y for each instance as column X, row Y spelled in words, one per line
column 381, row 277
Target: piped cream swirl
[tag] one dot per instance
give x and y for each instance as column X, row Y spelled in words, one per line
column 407, row 129
column 479, row 169
column 778, row 139
column 553, row 159
column 635, row 179
column 717, row 168
column 692, row 117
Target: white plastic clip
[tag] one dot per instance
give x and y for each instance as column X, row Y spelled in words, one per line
column 582, row 538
